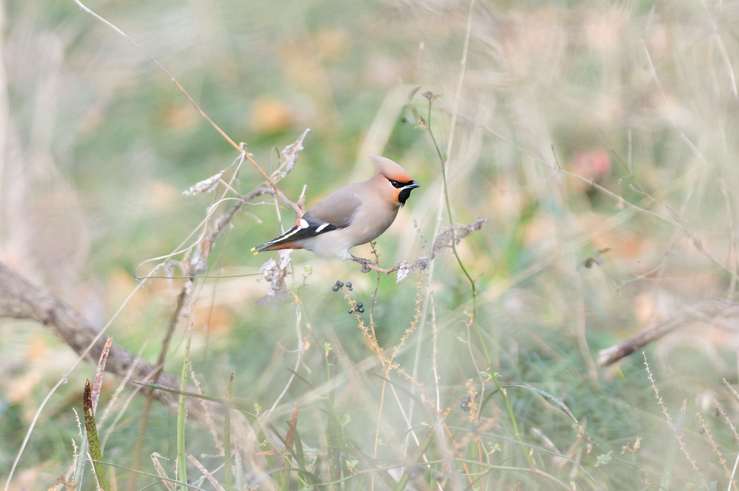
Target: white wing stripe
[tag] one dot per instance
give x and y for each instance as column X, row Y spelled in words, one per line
column 303, row 224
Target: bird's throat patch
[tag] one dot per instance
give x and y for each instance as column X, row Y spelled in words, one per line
column 404, row 195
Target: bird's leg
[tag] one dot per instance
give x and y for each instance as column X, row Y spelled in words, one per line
column 368, row 265
column 364, row 262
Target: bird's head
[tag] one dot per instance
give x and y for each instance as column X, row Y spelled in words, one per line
column 394, row 179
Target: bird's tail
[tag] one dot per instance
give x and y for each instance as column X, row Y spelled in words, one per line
column 268, row 246
column 284, row 241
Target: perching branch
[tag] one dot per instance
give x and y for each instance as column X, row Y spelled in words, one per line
column 445, row 240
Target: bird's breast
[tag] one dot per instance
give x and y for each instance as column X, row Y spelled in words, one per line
column 371, row 223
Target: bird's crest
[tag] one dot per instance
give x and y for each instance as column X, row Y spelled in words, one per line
column 390, row 169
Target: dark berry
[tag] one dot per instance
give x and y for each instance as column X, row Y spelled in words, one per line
column 349, row 285
column 465, row 404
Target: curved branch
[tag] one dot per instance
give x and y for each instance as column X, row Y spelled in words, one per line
column 712, row 312
column 20, row 299
column 447, row 239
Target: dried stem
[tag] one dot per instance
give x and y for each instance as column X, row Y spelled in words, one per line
column 668, row 417
column 722, row 314
column 443, row 160
column 19, row 299
column 238, row 147
column 149, row 393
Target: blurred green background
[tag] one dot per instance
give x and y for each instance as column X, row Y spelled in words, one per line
column 596, row 138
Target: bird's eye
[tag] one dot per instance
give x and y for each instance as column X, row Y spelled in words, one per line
column 395, row 183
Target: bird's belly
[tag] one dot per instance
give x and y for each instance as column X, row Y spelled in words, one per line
column 330, row 244
column 338, row 242
column 365, row 231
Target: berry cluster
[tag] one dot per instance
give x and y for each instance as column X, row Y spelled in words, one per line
column 359, row 308
column 340, row 284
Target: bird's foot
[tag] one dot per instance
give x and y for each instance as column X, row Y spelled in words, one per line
column 368, row 265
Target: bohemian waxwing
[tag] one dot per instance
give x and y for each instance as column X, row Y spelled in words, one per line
column 350, row 216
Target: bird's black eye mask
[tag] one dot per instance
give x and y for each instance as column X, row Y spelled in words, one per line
column 405, row 189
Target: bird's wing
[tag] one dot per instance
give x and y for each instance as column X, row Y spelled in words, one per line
column 337, row 209
column 331, row 213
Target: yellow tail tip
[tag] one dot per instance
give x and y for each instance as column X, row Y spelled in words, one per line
column 254, row 251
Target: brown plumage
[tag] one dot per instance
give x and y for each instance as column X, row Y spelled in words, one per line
column 350, row 216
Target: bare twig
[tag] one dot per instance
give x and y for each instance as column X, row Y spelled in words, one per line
column 444, row 160
column 205, row 472
column 198, row 108
column 182, row 300
column 732, row 257
column 439, row 213
column 20, row 299
column 161, row 472
column 669, row 219
column 722, row 314
column 298, row 360
column 197, row 262
column 733, row 473
column 445, row 240
column 97, row 386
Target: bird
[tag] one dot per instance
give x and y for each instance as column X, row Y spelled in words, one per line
column 352, row 215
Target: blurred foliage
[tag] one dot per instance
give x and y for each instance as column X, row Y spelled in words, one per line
column 574, row 118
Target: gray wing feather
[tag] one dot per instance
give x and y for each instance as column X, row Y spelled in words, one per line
column 338, row 208
column 335, row 211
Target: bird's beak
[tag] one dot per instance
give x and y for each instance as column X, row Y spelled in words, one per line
column 412, row 185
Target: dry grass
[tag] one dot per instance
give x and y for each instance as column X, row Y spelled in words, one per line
column 595, row 139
